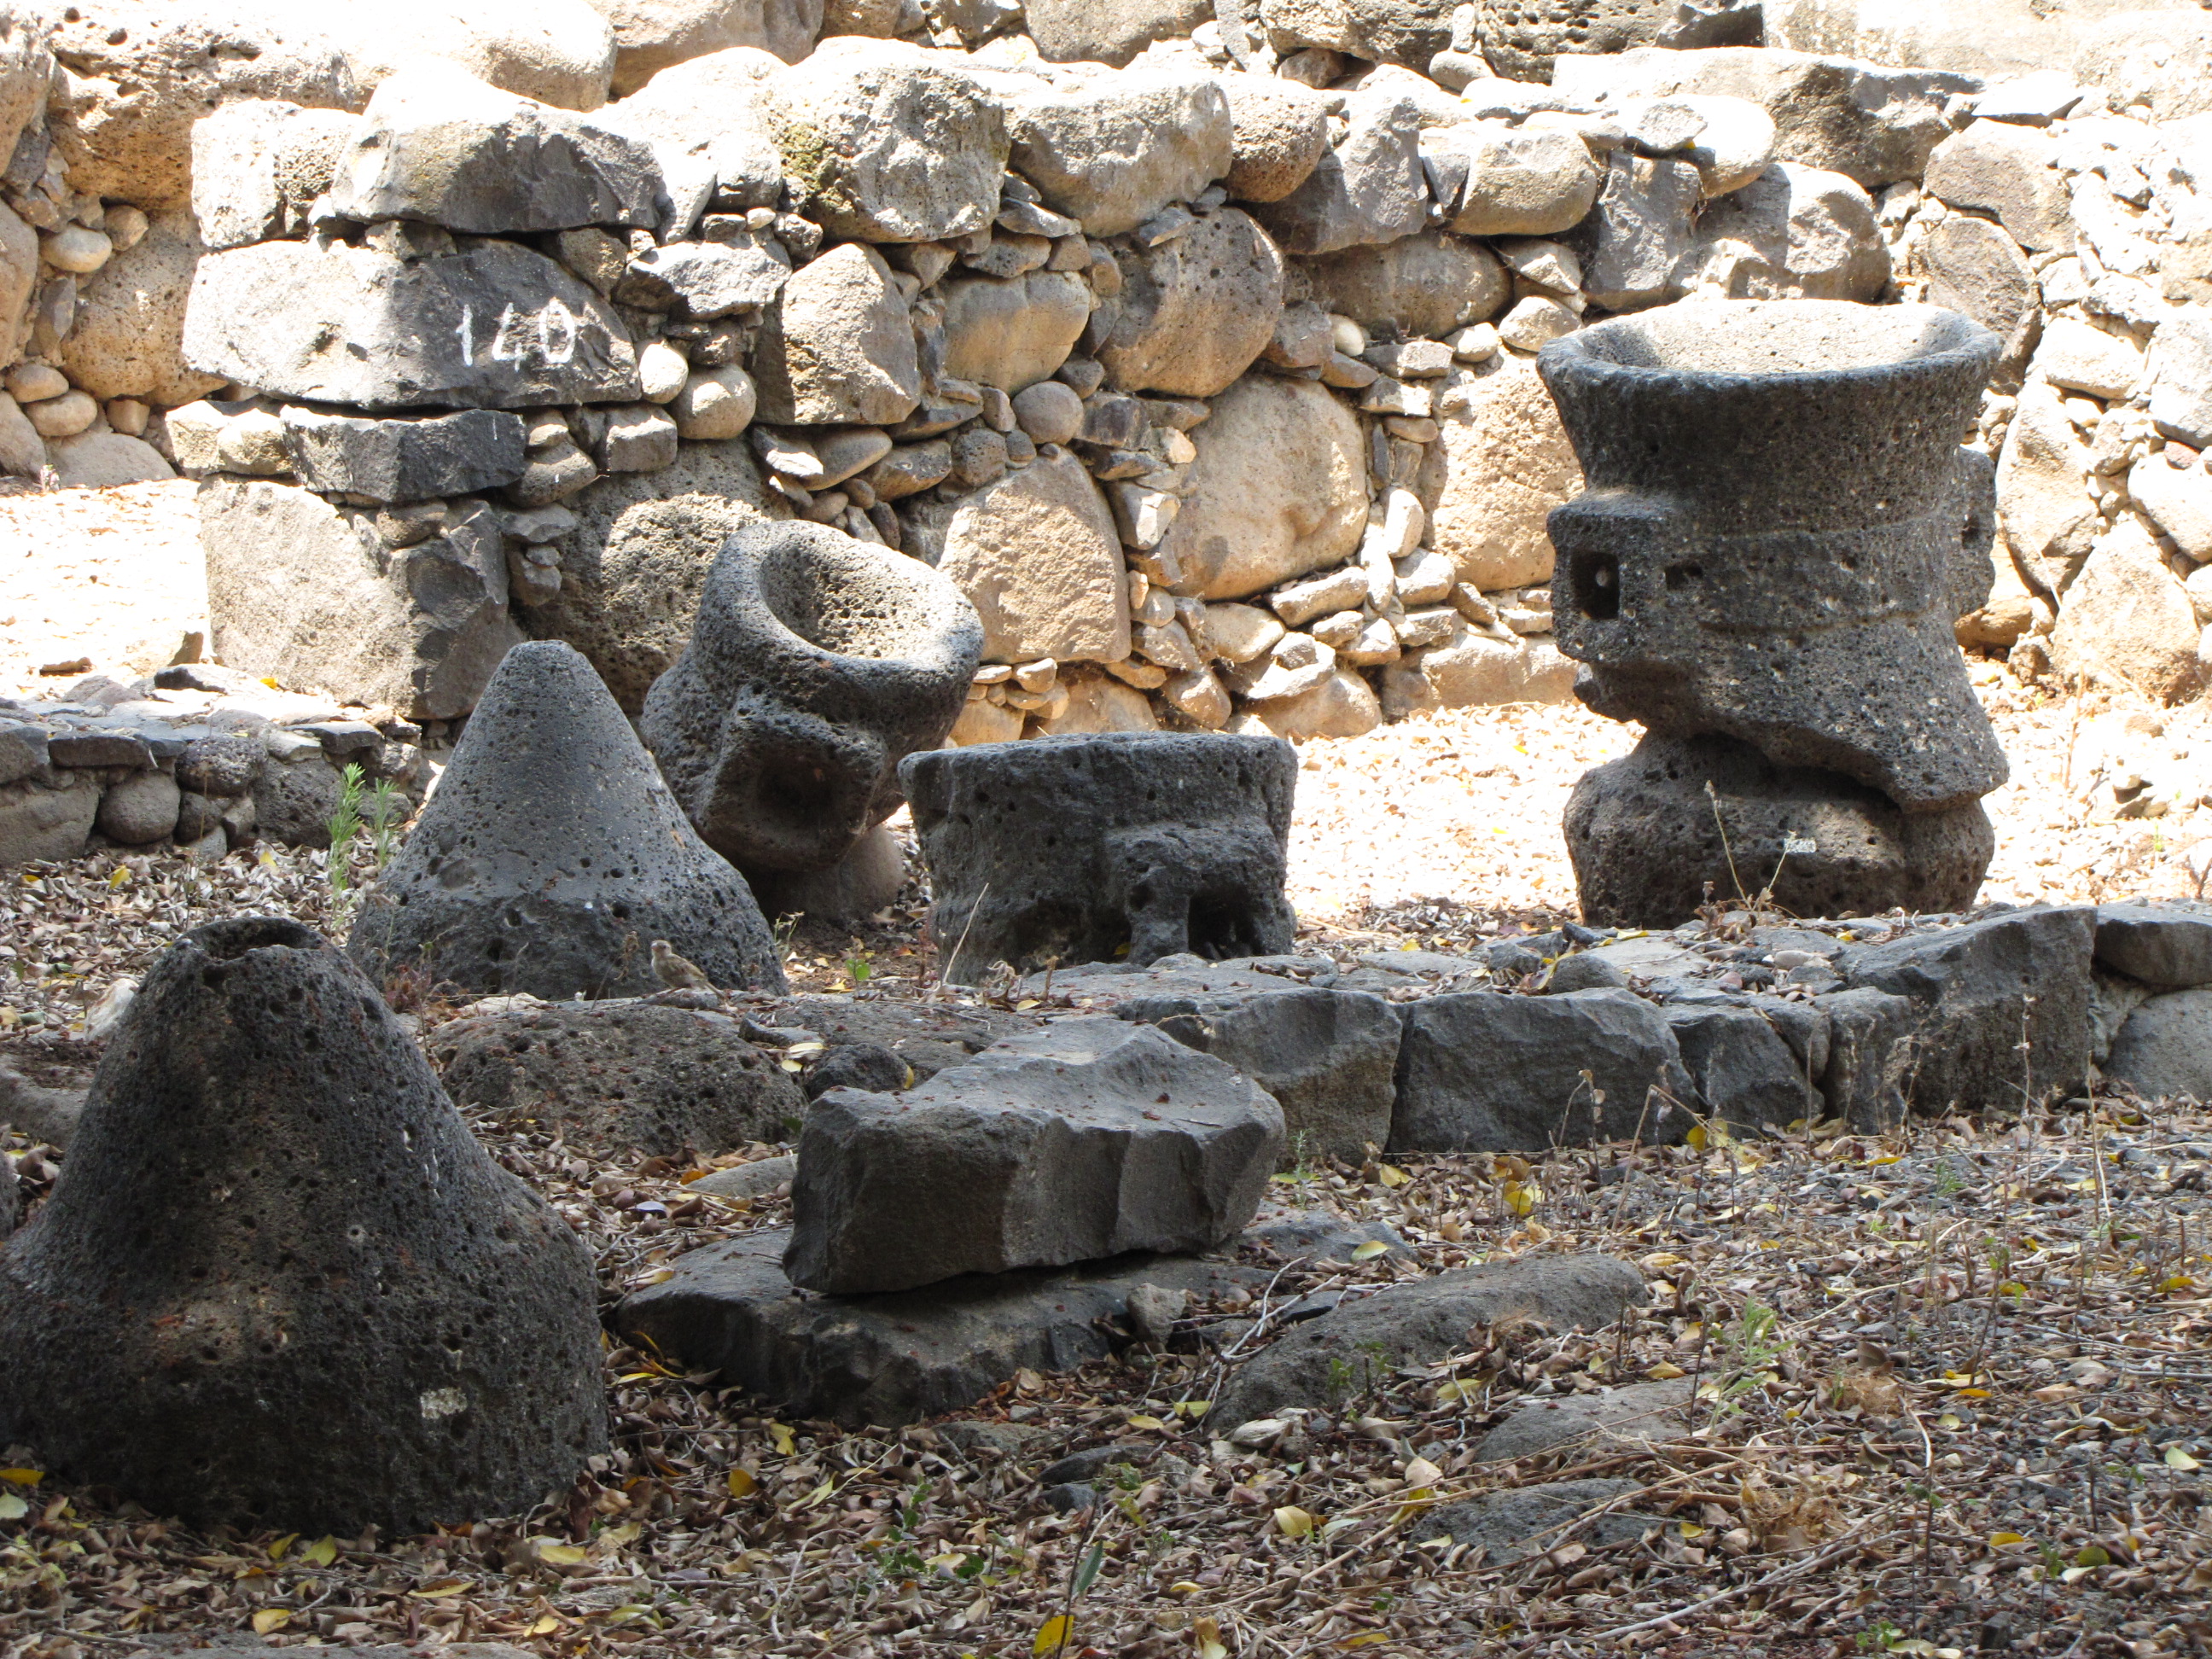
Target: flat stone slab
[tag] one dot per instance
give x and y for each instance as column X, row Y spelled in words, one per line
column 2169, row 948
column 1086, row 1140
column 898, row 1358
column 1421, row 1320
column 1512, row 1526
column 1640, row 1411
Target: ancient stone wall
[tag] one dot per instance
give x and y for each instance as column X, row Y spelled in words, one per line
column 1198, row 349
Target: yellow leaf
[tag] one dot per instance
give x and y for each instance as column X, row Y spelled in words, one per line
column 742, row 1483
column 2178, row 1459
column 1051, row 1636
column 1522, row 1196
column 321, row 1553
column 1193, row 1408
column 441, row 1589
column 1422, row 1472
column 276, row 1550
column 1974, row 1393
column 2177, row 1282
column 1392, row 1176
column 1293, row 1522
column 1886, row 1158
column 1448, row 1392
column 949, row 1561
column 12, row 1507
column 1206, row 1634
column 1143, row 1422
column 1664, row 1372
column 819, row 1493
column 2092, row 1555
column 1697, row 1137
column 2004, row 1539
column 781, row 1435
column 22, row 1477
column 1949, row 1420
column 1369, row 1251
column 2075, row 1575
column 545, row 1627
column 1366, row 1638
column 1185, row 1588
column 271, row 1619
column 561, row 1555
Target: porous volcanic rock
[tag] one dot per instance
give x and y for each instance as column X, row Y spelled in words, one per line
column 552, row 856
column 279, row 1284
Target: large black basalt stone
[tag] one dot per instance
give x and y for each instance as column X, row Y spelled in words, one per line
column 552, row 855
column 278, row 1283
column 1109, row 845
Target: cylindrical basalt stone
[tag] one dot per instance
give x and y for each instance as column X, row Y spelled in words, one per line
column 1111, row 844
column 816, row 664
column 1778, row 531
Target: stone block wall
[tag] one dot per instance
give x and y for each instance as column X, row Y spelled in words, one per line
column 1199, row 350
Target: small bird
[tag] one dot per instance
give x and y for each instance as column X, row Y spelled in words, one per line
column 677, row 973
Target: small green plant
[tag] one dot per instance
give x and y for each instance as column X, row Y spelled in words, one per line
column 786, row 925
column 1880, row 1638
column 387, row 808
column 859, row 968
column 345, row 825
column 1949, row 1183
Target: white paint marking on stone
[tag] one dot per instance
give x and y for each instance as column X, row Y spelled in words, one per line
column 443, row 1402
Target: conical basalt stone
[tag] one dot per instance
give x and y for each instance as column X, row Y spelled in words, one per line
column 552, row 855
column 279, row 1282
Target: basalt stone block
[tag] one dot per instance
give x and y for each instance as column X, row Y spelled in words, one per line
column 402, row 460
column 1745, row 1070
column 1777, row 507
column 2160, row 946
column 1525, row 40
column 1080, row 848
column 1982, row 991
column 1086, row 1140
column 815, row 665
column 1481, row 1072
column 1646, row 838
column 552, row 856
column 279, row 1284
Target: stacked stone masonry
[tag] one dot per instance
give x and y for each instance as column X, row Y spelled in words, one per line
column 1197, row 351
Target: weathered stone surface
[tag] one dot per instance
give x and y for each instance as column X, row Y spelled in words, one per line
column 1795, row 233
column 1422, row 1320
column 1983, row 989
column 633, row 568
column 142, row 808
column 2075, row 355
column 1342, row 705
column 558, row 52
column 496, row 327
column 405, row 460
column 2181, row 379
column 366, row 1320
column 701, row 280
column 628, row 1077
column 1974, row 268
column 1012, row 332
column 1045, row 1149
column 1873, row 124
column 1995, row 38
column 1510, row 181
column 1279, row 488
column 1368, row 188
column 1678, row 627
column 1327, row 1057
column 127, row 340
column 1642, row 834
column 306, row 594
column 651, row 35
column 437, row 146
column 1505, row 464
column 1528, row 42
column 2149, row 53
column 122, row 120
column 1745, row 1073
column 1196, row 311
column 707, row 118
column 2043, row 501
column 42, row 820
column 1635, row 244
column 2164, row 947
column 884, row 141
column 42, row 1114
column 897, row 1358
column 1114, row 152
column 835, row 348
column 1641, row 1412
column 1485, row 1072
column 294, row 798
column 1037, row 555
column 552, row 856
column 2128, row 622
column 1279, row 130
column 1870, row 1057
column 1514, row 1524
column 816, row 663
column 2164, row 1052
column 1159, row 843
column 1109, row 31
column 1426, row 285
column 2010, row 170
column 1408, row 32
column 100, row 460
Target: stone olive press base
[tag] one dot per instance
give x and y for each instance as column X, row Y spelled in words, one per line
column 1112, row 845
column 1646, row 839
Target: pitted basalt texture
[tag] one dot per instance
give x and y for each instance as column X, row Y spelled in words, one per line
column 1079, row 848
column 1647, row 840
column 552, row 855
column 1776, row 531
column 279, row 1284
column 816, row 664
